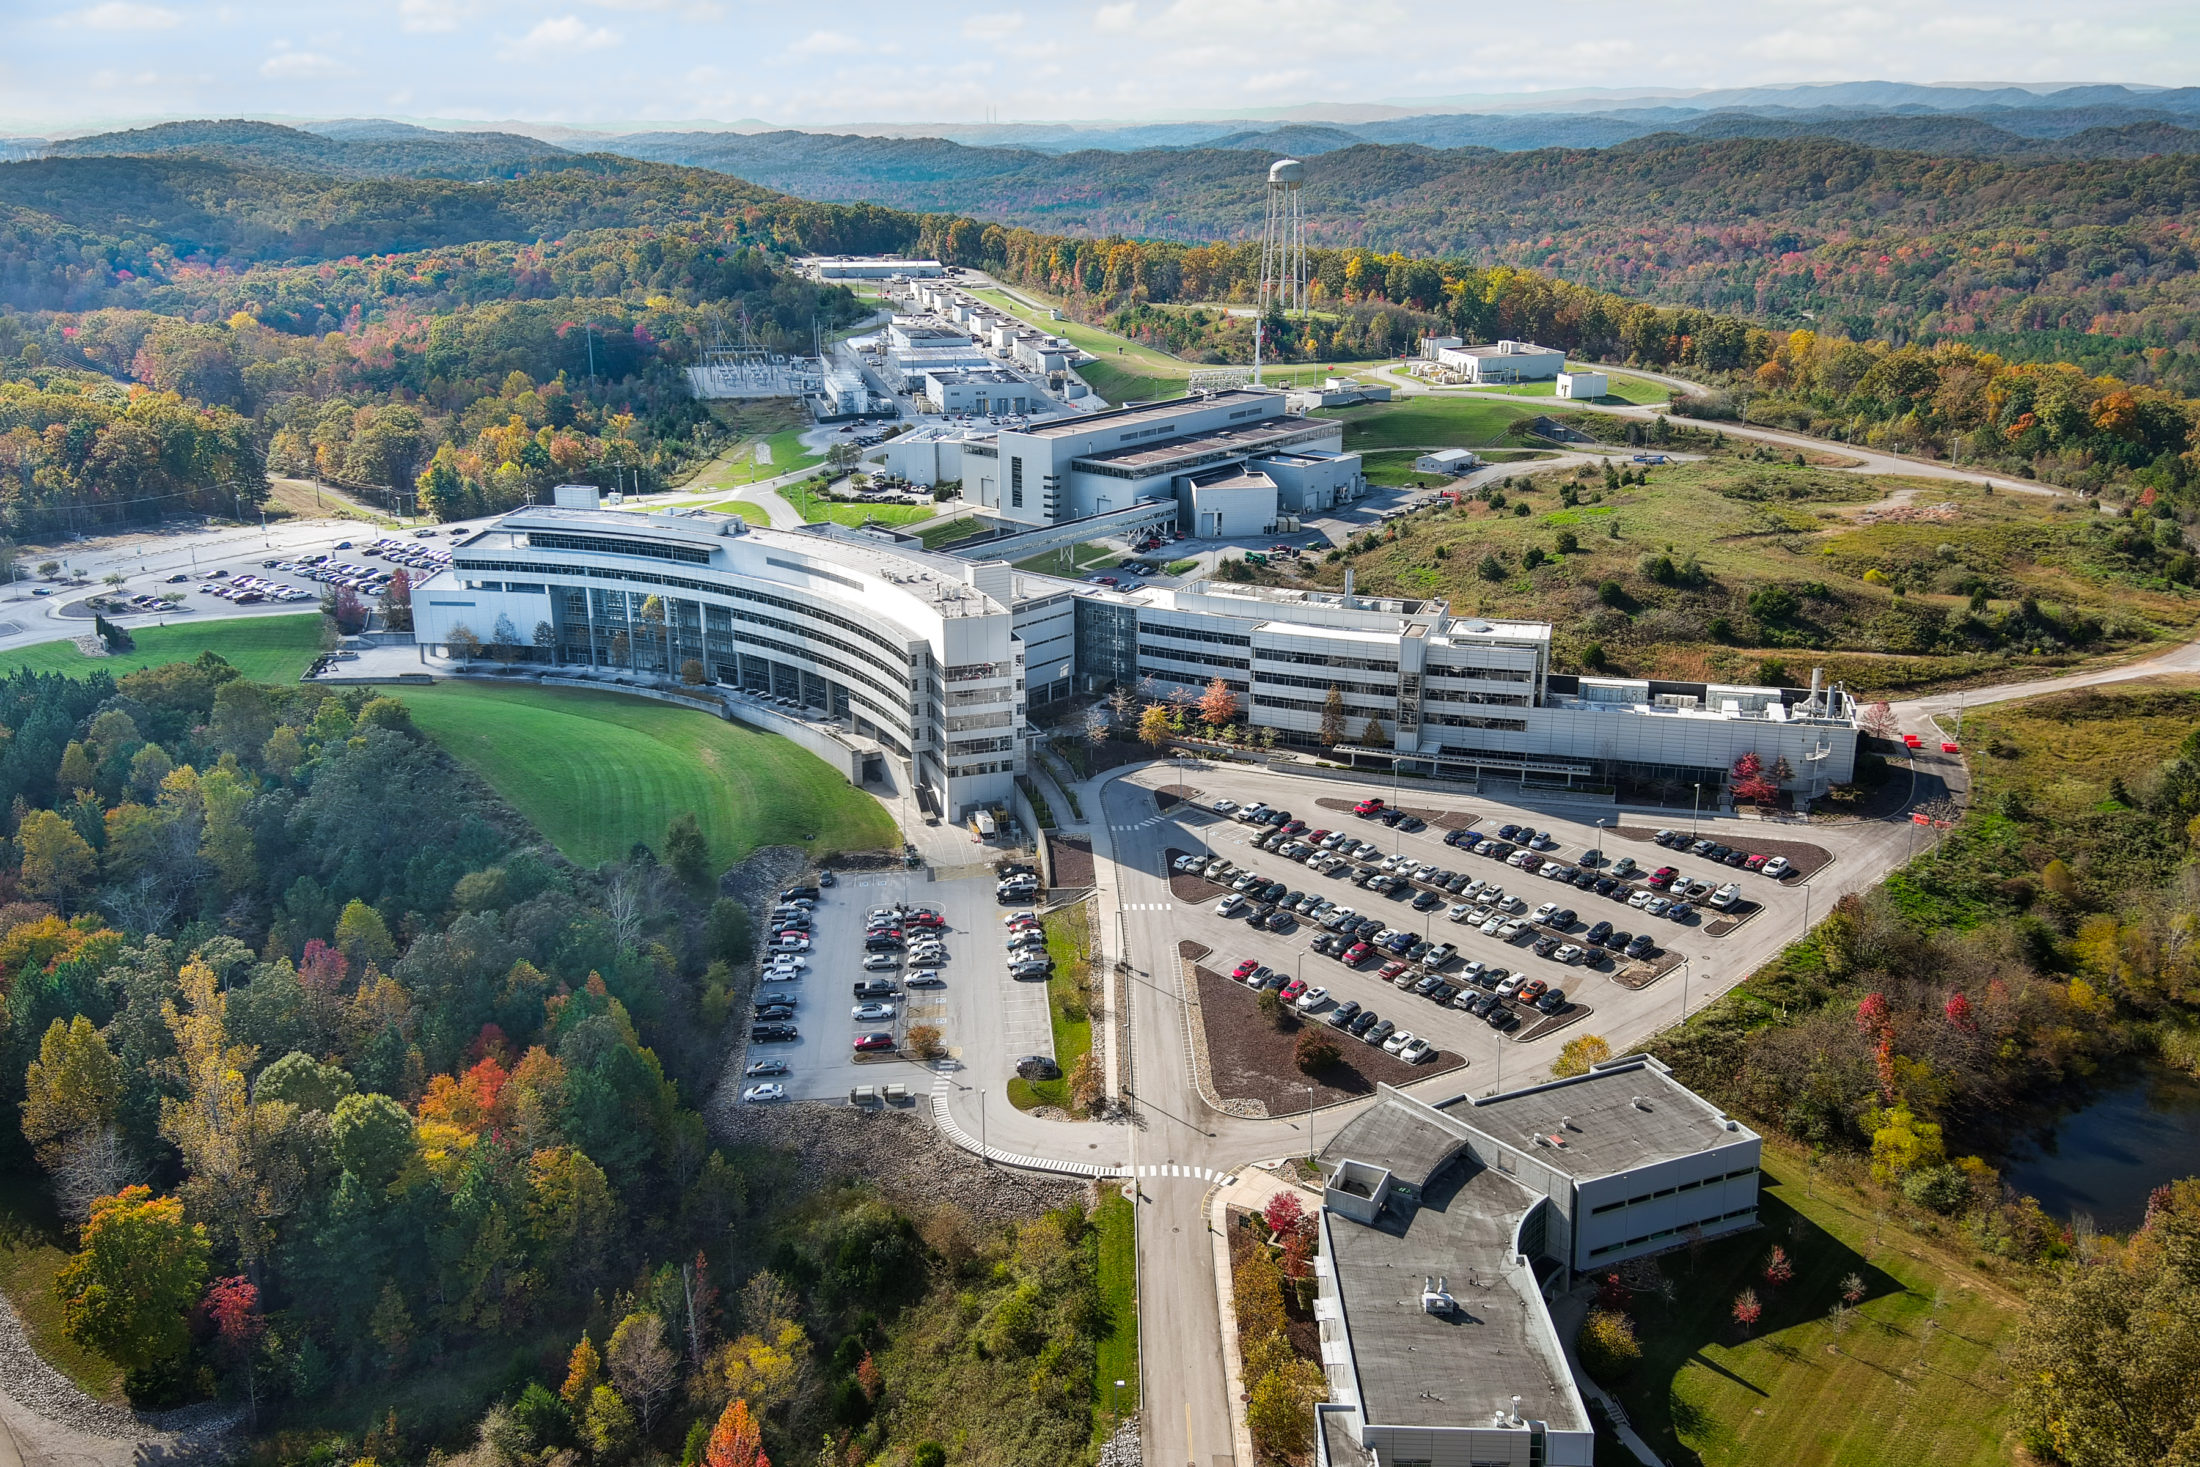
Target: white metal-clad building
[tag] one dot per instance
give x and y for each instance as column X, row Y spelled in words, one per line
column 1583, row 386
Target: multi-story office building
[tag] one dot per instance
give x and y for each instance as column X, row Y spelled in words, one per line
column 1457, row 696
column 1443, row 1226
column 917, row 652
column 868, row 629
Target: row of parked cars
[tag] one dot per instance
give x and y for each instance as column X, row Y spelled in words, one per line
column 429, row 558
column 1361, row 1023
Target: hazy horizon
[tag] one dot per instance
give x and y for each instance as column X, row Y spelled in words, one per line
column 617, row 64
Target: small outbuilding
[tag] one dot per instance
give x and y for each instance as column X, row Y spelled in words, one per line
column 1583, row 386
column 1455, row 462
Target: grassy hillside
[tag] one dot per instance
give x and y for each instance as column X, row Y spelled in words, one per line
column 1736, row 568
column 597, row 772
column 1912, row 1376
column 268, row 649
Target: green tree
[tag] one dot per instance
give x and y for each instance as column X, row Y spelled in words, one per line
column 243, row 721
column 130, row 1287
column 386, row 713
column 364, row 937
column 1490, row 568
column 1333, row 717
column 729, row 931
column 687, row 853
column 57, row 862
column 607, row 1426
column 373, row 1137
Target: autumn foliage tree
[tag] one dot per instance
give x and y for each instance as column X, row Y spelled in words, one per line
column 1748, row 1309
column 1751, row 783
column 1218, row 705
column 128, row 1291
column 737, row 1440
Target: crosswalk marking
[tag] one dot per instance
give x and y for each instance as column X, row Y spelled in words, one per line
column 1149, row 906
column 943, row 1087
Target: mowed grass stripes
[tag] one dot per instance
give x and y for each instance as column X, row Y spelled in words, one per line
column 267, row 649
column 597, row 772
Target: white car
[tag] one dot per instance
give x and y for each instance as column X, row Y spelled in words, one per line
column 1511, row 904
column 925, row 978
column 1415, row 1051
column 1493, row 925
column 1398, row 1041
column 1311, row 1000
column 1186, row 863
column 872, row 1012
column 1546, row 912
column 1230, row 905
column 1014, row 917
column 1777, row 867
column 1461, row 912
column 1642, row 898
column 782, row 975
column 1224, row 807
column 1570, row 953
column 1511, row 985
column 1511, row 930
column 764, row 1092
column 1726, row 896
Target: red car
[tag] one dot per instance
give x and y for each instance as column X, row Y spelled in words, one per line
column 874, row 1041
column 928, row 919
column 1390, row 970
column 1357, row 954
column 1755, row 862
column 1293, row 989
column 1367, row 807
column 1244, row 968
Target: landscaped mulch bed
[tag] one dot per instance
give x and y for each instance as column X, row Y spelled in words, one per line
column 1807, row 859
column 1440, row 819
column 1642, row 975
column 1170, row 796
column 1735, row 916
column 1251, row 1059
column 1072, row 855
column 1549, row 1024
column 1191, row 888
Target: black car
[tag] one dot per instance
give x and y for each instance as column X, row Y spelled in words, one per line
column 1273, row 892
column 1563, row 919
column 1442, row 994
column 794, row 893
column 1543, row 947
column 1586, row 880
column 1503, row 1019
column 1412, row 823
column 1257, row 921
column 1617, row 940
column 1604, row 885
column 1282, row 922
column 768, row 1012
column 1598, row 933
column 1366, row 1021
column 772, row 1033
column 1037, row 1067
column 1456, row 837
column 1553, row 1000
column 1342, row 1016
column 1426, row 901
column 1421, row 948
column 1456, row 883
column 1641, row 947
column 1507, row 832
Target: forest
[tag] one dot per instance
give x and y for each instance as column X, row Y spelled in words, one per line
column 375, row 1119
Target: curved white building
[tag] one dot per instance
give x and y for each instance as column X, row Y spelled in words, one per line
column 915, row 651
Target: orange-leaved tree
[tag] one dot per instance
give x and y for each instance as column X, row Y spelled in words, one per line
column 737, row 1440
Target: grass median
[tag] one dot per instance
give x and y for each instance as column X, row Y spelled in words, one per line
column 1069, row 944
column 1115, row 1222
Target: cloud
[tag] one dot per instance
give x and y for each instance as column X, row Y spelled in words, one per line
column 1116, row 20
column 566, row 36
column 993, row 25
column 120, row 15
column 301, row 66
column 826, row 43
column 430, row 16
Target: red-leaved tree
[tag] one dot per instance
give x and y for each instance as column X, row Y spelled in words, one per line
column 1748, row 1310
column 1779, row 1268
column 1282, row 1213
column 1751, row 783
column 736, row 1441
column 233, row 1304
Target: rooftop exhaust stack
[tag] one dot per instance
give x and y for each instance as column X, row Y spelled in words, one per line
column 1436, row 1297
column 1816, row 675
column 1348, row 590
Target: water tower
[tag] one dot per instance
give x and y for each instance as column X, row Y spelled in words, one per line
column 1283, row 274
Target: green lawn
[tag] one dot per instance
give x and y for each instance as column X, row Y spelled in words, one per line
column 597, row 772
column 946, row 532
column 1079, row 558
column 1069, row 943
column 1428, row 422
column 1116, row 1221
column 1887, row 1391
column 31, row 1255
column 1394, row 470
column 1623, row 389
column 814, row 508
column 268, row 649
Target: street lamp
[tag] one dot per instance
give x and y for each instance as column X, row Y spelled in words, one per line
column 983, row 1149
column 1695, row 811
column 1309, row 1089
column 1597, row 855
column 1684, row 990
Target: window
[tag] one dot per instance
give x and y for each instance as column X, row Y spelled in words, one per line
column 1016, row 481
column 609, row 545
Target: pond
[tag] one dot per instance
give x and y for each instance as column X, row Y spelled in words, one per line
column 2106, row 1157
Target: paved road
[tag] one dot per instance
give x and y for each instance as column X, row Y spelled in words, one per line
column 1868, row 460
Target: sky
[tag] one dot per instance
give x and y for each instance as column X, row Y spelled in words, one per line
column 80, row 64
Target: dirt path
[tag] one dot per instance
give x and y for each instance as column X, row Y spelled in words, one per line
column 45, row 1421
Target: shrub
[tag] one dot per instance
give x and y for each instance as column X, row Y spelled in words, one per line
column 1568, row 542
column 1611, row 594
column 1944, row 1189
column 924, row 1041
column 1531, row 557
column 1607, row 1344
column 1315, row 1052
column 1490, row 568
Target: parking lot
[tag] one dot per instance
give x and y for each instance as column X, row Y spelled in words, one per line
column 986, row 1019
column 294, row 577
column 1461, row 935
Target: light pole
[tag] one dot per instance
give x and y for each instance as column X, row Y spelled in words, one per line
column 1309, row 1122
column 1684, row 990
column 982, row 1148
column 1695, row 811
column 1115, row 1412
column 1598, row 853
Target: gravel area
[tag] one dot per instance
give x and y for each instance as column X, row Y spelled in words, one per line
column 54, row 1422
column 1252, row 1058
column 1123, row 1449
column 895, row 1149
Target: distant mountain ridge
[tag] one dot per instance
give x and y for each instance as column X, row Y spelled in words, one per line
column 363, row 149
